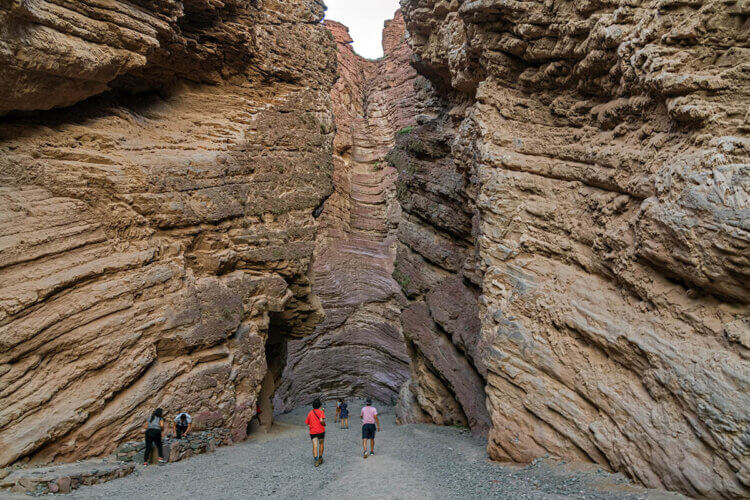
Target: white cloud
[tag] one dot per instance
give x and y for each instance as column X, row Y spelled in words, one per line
column 365, row 20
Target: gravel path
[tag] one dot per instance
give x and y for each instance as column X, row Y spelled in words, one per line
column 412, row 461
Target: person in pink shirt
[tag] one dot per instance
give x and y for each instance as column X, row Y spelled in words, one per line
column 369, row 416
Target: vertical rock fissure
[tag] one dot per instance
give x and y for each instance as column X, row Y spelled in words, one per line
column 358, row 349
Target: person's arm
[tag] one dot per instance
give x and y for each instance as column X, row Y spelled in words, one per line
column 161, row 424
column 361, row 414
column 174, row 428
column 377, row 421
column 187, row 431
column 323, row 420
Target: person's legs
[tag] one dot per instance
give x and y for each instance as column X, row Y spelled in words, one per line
column 372, row 446
column 364, row 440
column 147, row 450
column 315, row 448
column 321, row 447
column 159, row 448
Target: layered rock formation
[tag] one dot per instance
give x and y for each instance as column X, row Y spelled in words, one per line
column 358, row 349
column 575, row 238
column 155, row 239
column 566, row 268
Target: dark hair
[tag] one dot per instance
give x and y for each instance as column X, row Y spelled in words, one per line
column 157, row 413
column 316, row 403
column 183, row 417
column 368, row 401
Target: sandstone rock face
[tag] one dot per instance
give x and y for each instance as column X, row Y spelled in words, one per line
column 584, row 177
column 155, row 240
column 435, row 267
column 358, row 349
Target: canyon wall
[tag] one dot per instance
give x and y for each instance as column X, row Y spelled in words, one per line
column 156, row 234
column 358, row 349
column 575, row 240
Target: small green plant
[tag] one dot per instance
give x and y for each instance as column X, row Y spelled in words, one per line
column 401, row 279
column 405, row 130
column 227, row 314
column 401, row 190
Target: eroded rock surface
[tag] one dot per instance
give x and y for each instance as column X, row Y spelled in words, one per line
column 584, row 174
column 358, row 349
column 151, row 243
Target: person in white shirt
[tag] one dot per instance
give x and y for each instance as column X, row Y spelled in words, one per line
column 182, row 424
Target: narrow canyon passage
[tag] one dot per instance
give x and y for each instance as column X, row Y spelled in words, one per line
column 524, row 231
column 358, row 349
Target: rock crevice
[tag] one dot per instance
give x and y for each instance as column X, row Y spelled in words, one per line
column 358, row 349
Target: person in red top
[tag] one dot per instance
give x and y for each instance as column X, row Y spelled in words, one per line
column 316, row 421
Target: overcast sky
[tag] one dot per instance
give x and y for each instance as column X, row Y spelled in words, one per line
column 365, row 21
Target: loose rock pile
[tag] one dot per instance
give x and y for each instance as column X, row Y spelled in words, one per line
column 62, row 478
column 177, row 449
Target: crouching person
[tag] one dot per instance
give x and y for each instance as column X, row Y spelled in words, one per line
column 182, row 424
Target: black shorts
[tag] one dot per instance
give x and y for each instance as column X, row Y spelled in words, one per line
column 322, row 435
column 368, row 431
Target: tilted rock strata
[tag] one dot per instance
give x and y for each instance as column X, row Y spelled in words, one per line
column 57, row 52
column 149, row 243
column 358, row 349
column 436, row 270
column 603, row 149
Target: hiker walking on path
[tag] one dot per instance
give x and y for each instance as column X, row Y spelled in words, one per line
column 154, row 426
column 369, row 416
column 316, row 421
column 338, row 410
column 344, row 417
column 182, row 424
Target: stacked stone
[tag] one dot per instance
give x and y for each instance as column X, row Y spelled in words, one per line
column 61, row 478
column 177, row 449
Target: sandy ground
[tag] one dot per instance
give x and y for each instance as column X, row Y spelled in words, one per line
column 411, row 461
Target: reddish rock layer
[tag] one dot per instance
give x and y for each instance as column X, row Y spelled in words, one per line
column 358, row 349
column 587, row 171
column 151, row 244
